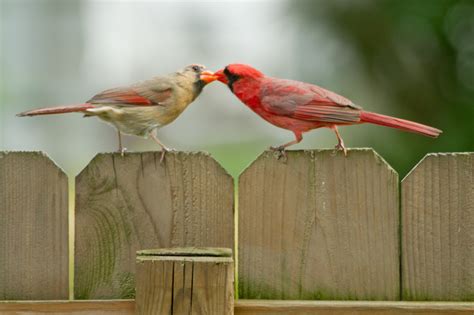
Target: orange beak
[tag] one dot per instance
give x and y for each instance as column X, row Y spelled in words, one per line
column 208, row 76
column 221, row 76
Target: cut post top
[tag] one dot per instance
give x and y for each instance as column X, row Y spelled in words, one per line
column 191, row 253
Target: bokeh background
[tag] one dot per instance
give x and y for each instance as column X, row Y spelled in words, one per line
column 411, row 59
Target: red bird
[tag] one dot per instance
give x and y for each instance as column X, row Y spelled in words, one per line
column 300, row 107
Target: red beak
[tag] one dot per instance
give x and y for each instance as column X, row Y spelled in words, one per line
column 221, row 76
column 208, row 76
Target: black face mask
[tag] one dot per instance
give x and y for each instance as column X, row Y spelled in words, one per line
column 231, row 78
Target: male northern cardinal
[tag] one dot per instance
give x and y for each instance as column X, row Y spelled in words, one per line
column 300, row 107
column 141, row 108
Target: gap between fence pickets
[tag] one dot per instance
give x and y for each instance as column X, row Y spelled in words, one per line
column 243, row 307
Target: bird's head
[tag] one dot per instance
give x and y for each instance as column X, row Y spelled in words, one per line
column 236, row 72
column 198, row 73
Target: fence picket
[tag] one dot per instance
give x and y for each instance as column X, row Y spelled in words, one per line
column 33, row 228
column 438, row 229
column 319, row 226
column 124, row 204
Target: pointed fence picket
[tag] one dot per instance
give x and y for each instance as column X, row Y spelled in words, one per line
column 133, row 202
column 33, row 228
column 319, row 226
column 438, row 229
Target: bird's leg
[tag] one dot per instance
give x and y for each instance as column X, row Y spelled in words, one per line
column 164, row 148
column 340, row 143
column 280, row 150
column 121, row 149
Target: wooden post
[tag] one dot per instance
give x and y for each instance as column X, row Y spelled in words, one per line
column 185, row 281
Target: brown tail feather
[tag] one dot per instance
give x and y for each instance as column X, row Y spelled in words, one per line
column 57, row 110
column 398, row 123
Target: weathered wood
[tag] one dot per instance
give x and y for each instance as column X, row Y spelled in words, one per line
column 33, row 228
column 319, row 226
column 438, row 229
column 262, row 307
column 190, row 284
column 90, row 307
column 247, row 307
column 124, row 204
column 187, row 251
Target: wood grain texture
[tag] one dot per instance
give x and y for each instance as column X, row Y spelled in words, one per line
column 185, row 285
column 104, row 307
column 319, row 226
column 124, row 204
column 247, row 307
column 438, row 229
column 187, row 251
column 263, row 307
column 33, row 228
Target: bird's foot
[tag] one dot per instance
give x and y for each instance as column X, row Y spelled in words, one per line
column 279, row 152
column 122, row 151
column 165, row 150
column 340, row 147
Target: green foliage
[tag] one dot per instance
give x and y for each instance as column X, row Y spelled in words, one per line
column 419, row 54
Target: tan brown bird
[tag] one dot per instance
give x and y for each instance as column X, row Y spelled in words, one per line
column 142, row 108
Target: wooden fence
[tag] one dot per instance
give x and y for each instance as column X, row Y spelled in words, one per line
column 318, row 226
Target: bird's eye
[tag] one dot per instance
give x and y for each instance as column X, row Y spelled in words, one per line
column 227, row 72
column 196, row 68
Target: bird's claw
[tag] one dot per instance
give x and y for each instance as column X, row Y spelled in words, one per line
column 279, row 153
column 122, row 151
column 341, row 147
column 165, row 150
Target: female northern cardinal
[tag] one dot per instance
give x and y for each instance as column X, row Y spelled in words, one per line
column 141, row 108
column 300, row 107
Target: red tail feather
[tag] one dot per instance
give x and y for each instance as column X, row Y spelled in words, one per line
column 57, row 110
column 398, row 123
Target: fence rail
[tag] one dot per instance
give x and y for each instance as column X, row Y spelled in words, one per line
column 247, row 307
column 317, row 226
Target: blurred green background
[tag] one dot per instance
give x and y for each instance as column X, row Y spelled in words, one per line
column 410, row 59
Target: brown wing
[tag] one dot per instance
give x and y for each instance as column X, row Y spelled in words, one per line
column 148, row 93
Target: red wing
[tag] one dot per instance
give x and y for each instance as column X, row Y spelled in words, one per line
column 307, row 102
column 130, row 96
column 328, row 97
column 327, row 114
